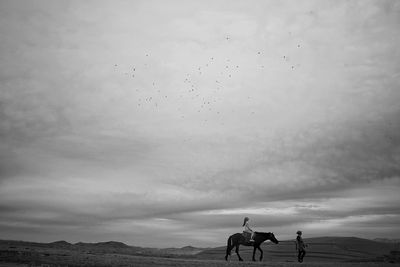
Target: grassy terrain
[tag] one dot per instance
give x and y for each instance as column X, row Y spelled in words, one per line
column 141, row 261
column 322, row 251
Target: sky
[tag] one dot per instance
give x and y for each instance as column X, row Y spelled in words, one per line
column 165, row 123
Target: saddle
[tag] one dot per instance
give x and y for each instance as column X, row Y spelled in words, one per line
column 247, row 237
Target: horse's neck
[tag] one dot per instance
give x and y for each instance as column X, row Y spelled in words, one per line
column 265, row 236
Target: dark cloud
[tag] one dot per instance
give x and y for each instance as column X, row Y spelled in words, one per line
column 338, row 157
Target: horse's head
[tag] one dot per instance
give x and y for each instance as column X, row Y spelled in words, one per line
column 273, row 238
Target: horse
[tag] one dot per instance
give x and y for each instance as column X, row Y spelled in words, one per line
column 238, row 239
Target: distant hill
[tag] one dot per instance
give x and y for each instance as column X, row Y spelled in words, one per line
column 355, row 244
column 60, row 244
column 113, row 247
column 187, row 250
column 105, row 245
column 387, row 240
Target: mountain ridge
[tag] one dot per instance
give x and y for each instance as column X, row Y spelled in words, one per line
column 121, row 245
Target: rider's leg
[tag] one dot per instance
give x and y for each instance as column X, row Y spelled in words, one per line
column 251, row 238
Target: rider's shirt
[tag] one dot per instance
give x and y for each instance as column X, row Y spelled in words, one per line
column 246, row 228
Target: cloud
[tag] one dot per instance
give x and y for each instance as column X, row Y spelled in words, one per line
column 184, row 118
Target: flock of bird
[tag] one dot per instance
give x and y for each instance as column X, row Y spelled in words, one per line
column 203, row 85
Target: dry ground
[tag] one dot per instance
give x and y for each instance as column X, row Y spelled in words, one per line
column 140, row 261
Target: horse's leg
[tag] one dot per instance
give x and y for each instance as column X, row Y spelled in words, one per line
column 254, row 253
column 229, row 247
column 228, row 252
column 261, row 256
column 237, row 252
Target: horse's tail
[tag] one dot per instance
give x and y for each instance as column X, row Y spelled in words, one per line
column 229, row 246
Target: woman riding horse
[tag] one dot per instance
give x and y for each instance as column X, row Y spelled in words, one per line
column 247, row 232
column 238, row 239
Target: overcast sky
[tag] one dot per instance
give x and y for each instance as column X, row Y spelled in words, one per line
column 165, row 123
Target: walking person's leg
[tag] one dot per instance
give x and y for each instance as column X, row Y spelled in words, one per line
column 303, row 254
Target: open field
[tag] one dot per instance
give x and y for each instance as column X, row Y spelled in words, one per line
column 141, row 261
column 322, row 251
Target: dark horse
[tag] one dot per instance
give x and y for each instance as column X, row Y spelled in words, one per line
column 238, row 239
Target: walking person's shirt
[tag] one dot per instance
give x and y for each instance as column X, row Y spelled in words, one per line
column 300, row 243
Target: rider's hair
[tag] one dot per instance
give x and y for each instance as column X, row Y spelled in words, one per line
column 245, row 220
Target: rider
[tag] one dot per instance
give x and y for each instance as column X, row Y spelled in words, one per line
column 247, row 230
column 300, row 247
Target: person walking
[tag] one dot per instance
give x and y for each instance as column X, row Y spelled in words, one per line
column 300, row 247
